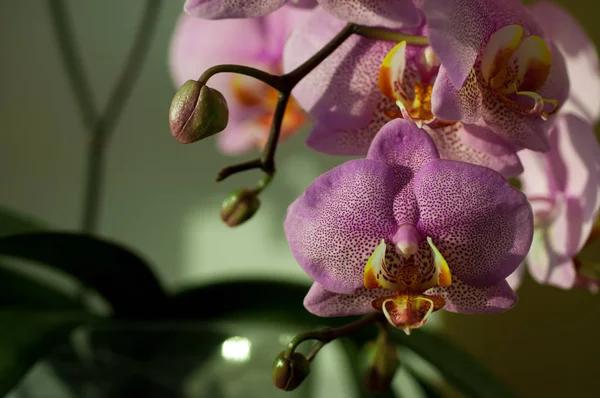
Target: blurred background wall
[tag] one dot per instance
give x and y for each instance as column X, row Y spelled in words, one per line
column 161, row 198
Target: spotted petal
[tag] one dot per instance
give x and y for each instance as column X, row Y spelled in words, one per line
column 388, row 13
column 405, row 148
column 469, row 299
column 481, row 225
column 325, row 303
column 335, row 226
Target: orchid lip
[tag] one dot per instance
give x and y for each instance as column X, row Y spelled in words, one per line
column 514, row 64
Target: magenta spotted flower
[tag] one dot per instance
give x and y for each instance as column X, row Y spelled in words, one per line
column 498, row 68
column 406, row 233
column 366, row 83
column 251, row 102
column 563, row 185
column 389, row 13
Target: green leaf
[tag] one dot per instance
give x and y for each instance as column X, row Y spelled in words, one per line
column 26, row 336
column 121, row 277
column 12, row 222
column 18, row 290
column 457, row 366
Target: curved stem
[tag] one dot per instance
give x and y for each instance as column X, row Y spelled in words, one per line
column 324, row 336
column 71, row 60
column 293, row 78
column 265, row 77
column 388, row 35
column 286, row 83
column 107, row 122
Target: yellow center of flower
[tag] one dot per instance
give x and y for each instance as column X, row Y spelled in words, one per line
column 255, row 95
column 515, row 65
column 408, row 276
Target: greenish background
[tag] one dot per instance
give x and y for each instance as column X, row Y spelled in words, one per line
column 161, row 198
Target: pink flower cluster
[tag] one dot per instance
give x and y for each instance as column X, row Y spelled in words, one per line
column 427, row 220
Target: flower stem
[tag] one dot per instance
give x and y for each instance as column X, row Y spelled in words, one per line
column 100, row 126
column 272, row 80
column 388, row 35
column 286, row 83
column 324, row 336
column 71, row 60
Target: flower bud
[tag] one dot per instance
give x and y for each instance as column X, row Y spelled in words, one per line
column 381, row 364
column 239, row 207
column 197, row 112
column 288, row 374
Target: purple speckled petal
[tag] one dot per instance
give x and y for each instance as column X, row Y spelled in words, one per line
column 460, row 29
column 581, row 58
column 342, row 91
column 451, row 103
column 332, row 140
column 325, row 303
column 405, row 148
column 337, row 223
column 475, row 144
column 467, row 299
column 389, row 13
column 482, row 226
column 221, row 9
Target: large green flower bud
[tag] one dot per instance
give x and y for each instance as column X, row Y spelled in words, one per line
column 197, row 112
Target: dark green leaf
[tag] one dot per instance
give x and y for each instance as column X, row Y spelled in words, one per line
column 18, row 290
column 121, row 277
column 456, row 365
column 12, row 222
column 26, row 336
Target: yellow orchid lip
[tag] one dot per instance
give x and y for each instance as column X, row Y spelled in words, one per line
column 514, row 64
column 409, row 277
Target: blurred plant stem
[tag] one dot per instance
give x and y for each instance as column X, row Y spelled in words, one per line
column 100, row 125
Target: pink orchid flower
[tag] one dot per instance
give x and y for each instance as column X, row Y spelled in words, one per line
column 498, row 68
column 366, row 83
column 389, row 13
column 194, row 48
column 405, row 233
column 563, row 185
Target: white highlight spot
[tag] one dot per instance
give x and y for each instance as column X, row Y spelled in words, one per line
column 236, row 349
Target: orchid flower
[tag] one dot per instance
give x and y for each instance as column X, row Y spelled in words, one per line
column 498, row 68
column 251, row 102
column 388, row 13
column 406, row 233
column 367, row 83
column 563, row 185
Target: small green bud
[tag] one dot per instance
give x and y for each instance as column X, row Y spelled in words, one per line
column 288, row 374
column 239, row 207
column 197, row 112
column 381, row 364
